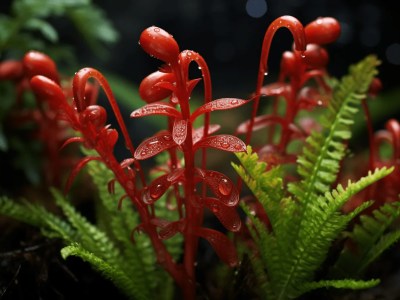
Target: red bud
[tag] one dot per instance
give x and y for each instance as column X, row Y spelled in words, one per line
column 322, row 31
column 148, row 89
column 37, row 63
column 316, row 57
column 160, row 44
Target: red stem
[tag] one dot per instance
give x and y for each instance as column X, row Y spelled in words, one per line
column 296, row 28
column 79, row 84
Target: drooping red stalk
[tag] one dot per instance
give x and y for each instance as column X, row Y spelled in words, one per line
column 296, row 28
column 79, row 85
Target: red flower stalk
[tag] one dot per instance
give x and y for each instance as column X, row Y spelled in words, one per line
column 308, row 60
column 173, row 81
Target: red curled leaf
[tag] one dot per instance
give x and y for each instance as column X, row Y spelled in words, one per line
column 156, row 108
column 227, row 215
column 175, row 175
column 198, row 133
column 171, row 229
column 71, row 140
column 218, row 104
column 192, row 84
column 221, row 186
column 76, row 170
column 223, row 246
column 151, row 90
column 154, row 145
column 224, row 142
column 160, row 185
column 260, row 122
column 179, row 131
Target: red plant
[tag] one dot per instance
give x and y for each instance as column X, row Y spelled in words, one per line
column 202, row 188
column 308, row 60
column 49, row 130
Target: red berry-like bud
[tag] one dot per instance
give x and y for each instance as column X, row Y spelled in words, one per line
column 160, row 44
column 288, row 63
column 315, row 56
column 95, row 115
column 322, row 31
column 11, row 70
column 150, row 92
column 37, row 63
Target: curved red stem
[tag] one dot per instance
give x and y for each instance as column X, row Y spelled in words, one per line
column 79, row 84
column 297, row 30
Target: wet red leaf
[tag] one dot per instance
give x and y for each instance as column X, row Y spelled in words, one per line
column 222, row 246
column 224, row 142
column 154, row 145
column 221, row 186
column 219, row 104
column 156, row 108
column 227, row 215
column 179, row 131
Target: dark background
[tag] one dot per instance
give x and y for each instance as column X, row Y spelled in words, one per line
column 224, row 33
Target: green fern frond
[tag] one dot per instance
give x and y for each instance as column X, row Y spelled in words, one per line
column 319, row 164
column 303, row 229
column 36, row 215
column 370, row 240
column 110, row 271
column 118, row 224
column 341, row 284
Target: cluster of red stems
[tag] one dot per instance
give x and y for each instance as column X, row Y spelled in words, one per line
column 193, row 187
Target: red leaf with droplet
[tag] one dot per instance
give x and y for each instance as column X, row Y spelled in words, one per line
column 221, row 186
column 227, row 215
column 179, row 131
column 219, row 104
column 224, row 142
column 223, row 246
column 154, row 145
column 160, row 185
column 198, row 133
column 156, row 189
column 171, row 229
column 156, row 108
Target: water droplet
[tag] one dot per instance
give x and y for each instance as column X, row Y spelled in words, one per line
column 156, row 29
column 146, row 197
column 265, row 73
column 238, row 147
column 167, row 137
column 234, row 102
column 225, row 144
column 225, row 187
column 156, row 191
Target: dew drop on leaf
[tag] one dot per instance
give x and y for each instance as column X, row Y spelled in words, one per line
column 225, row 187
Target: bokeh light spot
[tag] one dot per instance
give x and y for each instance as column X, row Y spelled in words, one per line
column 256, row 8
